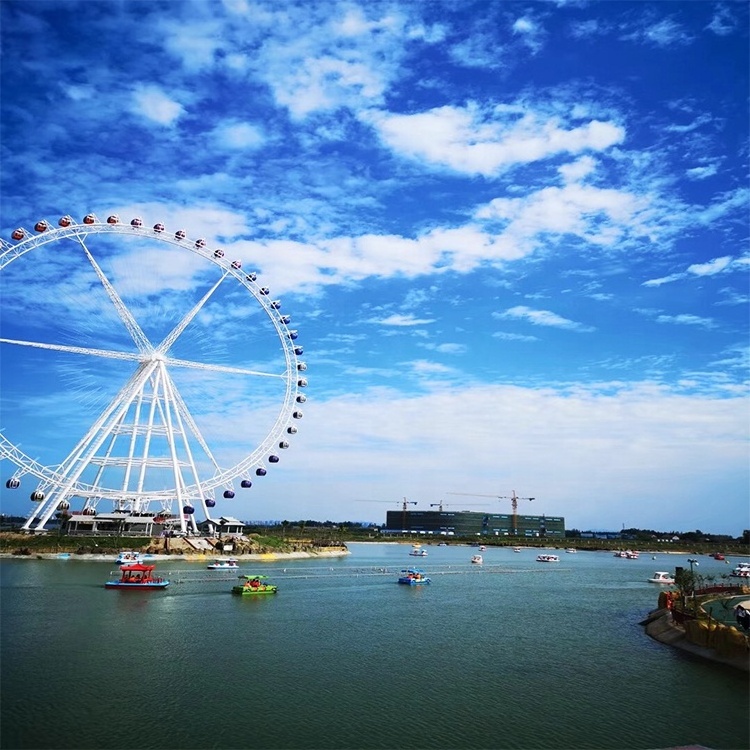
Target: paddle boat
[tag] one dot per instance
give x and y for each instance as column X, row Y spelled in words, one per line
column 516, row 549
column 547, row 558
column 477, row 559
column 661, row 576
column 418, row 551
column 253, row 586
column 572, row 551
column 413, row 577
column 228, row 564
column 137, row 576
column 129, row 557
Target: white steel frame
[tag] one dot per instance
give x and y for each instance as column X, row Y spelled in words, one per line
column 149, row 404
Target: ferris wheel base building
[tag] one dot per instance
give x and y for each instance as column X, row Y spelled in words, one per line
column 472, row 523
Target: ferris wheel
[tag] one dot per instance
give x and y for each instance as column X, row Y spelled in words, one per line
column 165, row 374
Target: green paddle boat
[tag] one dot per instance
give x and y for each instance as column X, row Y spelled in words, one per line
column 253, row 586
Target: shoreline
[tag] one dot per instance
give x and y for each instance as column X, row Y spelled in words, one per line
column 192, row 557
column 660, row 626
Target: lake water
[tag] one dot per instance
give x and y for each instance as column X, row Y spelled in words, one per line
column 516, row 654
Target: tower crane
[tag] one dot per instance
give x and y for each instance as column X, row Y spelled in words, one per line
column 514, row 504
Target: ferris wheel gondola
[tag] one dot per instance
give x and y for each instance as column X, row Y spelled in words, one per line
column 160, row 395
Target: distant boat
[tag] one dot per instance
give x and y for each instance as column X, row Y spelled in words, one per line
column 661, row 576
column 417, row 551
column 129, row 557
column 516, row 549
column 413, row 577
column 477, row 559
column 547, row 558
column 228, row 564
column 571, row 550
column 628, row 554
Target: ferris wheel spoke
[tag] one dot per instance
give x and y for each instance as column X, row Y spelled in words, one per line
column 129, row 356
column 222, row 368
column 183, row 324
column 135, row 331
column 183, row 410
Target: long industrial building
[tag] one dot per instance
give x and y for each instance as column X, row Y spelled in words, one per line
column 472, row 523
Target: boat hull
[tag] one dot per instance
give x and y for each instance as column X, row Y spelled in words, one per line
column 151, row 585
column 249, row 591
column 413, row 582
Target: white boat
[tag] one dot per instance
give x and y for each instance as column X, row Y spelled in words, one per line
column 477, row 559
column 661, row 576
column 129, row 557
column 547, row 558
column 516, row 549
column 229, row 564
column 742, row 570
column 571, row 550
column 418, row 551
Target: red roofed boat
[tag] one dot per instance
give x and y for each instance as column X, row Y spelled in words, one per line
column 137, row 577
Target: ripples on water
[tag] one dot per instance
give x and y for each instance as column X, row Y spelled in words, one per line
column 532, row 656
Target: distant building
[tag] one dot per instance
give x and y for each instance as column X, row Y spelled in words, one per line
column 471, row 523
column 120, row 524
column 225, row 525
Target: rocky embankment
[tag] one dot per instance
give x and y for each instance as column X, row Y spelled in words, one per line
column 706, row 639
column 21, row 545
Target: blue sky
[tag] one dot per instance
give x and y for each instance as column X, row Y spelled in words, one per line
column 513, row 237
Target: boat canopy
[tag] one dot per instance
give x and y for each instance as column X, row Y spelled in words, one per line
column 137, row 568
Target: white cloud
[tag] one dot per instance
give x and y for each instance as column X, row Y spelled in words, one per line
column 723, row 22
column 542, row 318
column 475, row 140
column 239, row 135
column 577, row 170
column 513, row 336
column 664, row 279
column 600, row 216
column 530, row 31
column 663, row 33
column 402, row 320
column 701, row 173
column 686, row 319
column 151, row 102
column 717, row 265
column 712, row 268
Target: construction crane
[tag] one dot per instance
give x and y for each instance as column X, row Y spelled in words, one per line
column 403, row 511
column 514, row 504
